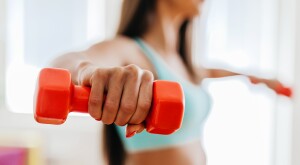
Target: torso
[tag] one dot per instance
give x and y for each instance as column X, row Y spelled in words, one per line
column 187, row 154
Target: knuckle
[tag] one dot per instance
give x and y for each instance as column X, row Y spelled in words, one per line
column 147, row 76
column 145, row 105
column 96, row 114
column 110, row 107
column 132, row 69
column 118, row 70
column 115, row 74
column 120, row 123
column 107, row 121
column 128, row 108
column 95, row 101
column 120, row 73
column 99, row 74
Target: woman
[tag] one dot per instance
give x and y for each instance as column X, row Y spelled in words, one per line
column 153, row 42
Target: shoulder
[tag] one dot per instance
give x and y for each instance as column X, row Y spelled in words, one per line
column 120, row 50
column 114, row 52
column 117, row 46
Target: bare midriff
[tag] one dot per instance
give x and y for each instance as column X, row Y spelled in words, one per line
column 186, row 154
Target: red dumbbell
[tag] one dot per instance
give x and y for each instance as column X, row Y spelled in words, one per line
column 285, row 91
column 56, row 97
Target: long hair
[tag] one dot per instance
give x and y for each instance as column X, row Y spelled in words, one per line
column 136, row 17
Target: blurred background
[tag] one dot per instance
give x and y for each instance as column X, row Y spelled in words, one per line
column 248, row 124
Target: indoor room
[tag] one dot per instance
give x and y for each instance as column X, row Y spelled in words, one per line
column 119, row 82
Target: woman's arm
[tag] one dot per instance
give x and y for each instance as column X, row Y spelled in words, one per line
column 219, row 73
column 119, row 94
column 102, row 55
column 273, row 84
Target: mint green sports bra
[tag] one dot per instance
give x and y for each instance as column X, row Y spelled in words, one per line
column 197, row 108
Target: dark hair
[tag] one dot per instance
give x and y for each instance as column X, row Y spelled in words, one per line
column 135, row 20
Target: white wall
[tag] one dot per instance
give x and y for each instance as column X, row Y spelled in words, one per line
column 76, row 142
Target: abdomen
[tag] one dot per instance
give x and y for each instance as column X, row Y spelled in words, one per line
column 191, row 153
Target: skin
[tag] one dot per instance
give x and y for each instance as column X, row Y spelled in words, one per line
column 125, row 75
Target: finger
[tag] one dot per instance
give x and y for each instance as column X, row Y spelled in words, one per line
column 129, row 97
column 96, row 98
column 144, row 99
column 114, row 93
column 133, row 129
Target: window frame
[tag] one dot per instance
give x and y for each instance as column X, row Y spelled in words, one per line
column 287, row 136
column 2, row 53
column 296, row 113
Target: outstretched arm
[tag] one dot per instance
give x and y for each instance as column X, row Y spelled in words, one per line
column 128, row 88
column 273, row 84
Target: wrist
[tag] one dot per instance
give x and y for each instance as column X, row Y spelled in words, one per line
column 82, row 69
column 254, row 79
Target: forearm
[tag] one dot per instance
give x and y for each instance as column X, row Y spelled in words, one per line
column 219, row 73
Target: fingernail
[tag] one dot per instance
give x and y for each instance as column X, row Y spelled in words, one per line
column 130, row 134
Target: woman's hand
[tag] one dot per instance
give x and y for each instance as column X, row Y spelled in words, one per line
column 120, row 95
column 273, row 84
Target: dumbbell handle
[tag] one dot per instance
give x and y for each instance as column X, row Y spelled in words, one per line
column 80, row 98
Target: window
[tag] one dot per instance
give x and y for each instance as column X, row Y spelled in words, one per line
column 241, row 36
column 40, row 30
